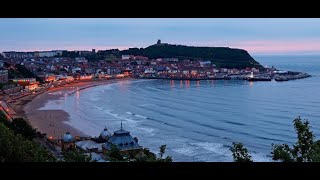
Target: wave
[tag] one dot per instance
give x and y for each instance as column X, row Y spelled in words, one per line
column 144, row 105
column 187, row 150
column 148, row 130
column 98, row 107
column 137, row 115
column 122, row 118
column 224, row 151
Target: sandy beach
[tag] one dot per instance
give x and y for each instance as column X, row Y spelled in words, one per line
column 51, row 122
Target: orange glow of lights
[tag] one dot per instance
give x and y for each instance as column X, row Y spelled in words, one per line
column 172, row 83
column 187, row 82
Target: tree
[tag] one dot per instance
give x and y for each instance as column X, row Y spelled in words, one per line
column 304, row 150
column 114, row 153
column 21, row 126
column 16, row 148
column 75, row 156
column 162, row 150
column 240, row 153
column 145, row 155
column 161, row 153
column 23, row 72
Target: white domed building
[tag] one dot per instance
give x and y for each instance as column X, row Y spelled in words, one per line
column 68, row 141
column 122, row 140
column 105, row 135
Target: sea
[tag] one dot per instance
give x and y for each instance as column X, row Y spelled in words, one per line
column 199, row 120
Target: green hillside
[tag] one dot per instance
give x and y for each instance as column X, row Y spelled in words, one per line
column 220, row 56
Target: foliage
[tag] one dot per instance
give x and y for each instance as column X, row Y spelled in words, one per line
column 72, row 54
column 101, row 55
column 3, row 119
column 162, row 150
column 304, row 150
column 145, row 155
column 21, row 71
column 75, row 156
column 161, row 153
column 240, row 153
column 15, row 148
column 282, row 152
column 6, row 65
column 94, row 57
column 1, row 86
column 21, row 126
column 221, row 56
column 114, row 154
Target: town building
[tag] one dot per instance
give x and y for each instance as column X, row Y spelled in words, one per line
column 68, row 141
column 125, row 57
column 32, row 86
column 122, row 140
column 24, row 81
column 89, row 146
column 3, row 76
column 81, row 60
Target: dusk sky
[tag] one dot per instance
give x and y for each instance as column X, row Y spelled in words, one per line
column 257, row 36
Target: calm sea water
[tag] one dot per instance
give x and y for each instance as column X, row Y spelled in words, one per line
column 199, row 120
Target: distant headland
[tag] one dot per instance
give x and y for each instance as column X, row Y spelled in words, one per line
column 220, row 56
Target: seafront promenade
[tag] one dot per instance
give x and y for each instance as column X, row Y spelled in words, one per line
column 253, row 77
column 12, row 104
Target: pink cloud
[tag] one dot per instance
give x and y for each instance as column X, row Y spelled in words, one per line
column 252, row 46
column 306, row 46
column 275, row 46
column 74, row 47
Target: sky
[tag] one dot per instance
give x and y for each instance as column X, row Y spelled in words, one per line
column 259, row 36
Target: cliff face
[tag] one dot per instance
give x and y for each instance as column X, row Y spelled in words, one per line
column 221, row 56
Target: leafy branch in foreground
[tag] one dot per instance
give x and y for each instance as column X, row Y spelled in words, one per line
column 306, row 149
column 75, row 156
column 240, row 153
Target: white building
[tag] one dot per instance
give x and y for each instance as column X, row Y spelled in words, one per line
column 46, row 54
column 149, row 70
column 185, row 71
column 125, row 57
column 204, row 63
column 74, row 70
column 81, row 60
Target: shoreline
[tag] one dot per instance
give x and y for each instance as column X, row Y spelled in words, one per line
column 52, row 122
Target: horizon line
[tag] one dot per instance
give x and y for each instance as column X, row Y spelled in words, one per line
column 249, row 49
